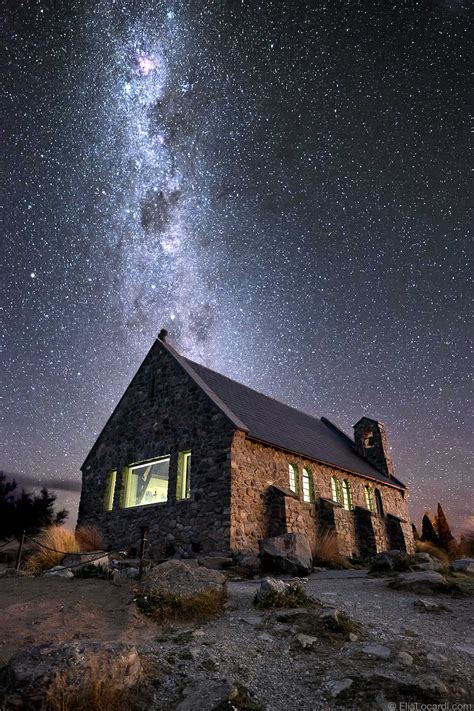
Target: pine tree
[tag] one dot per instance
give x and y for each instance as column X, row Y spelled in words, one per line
column 26, row 512
column 428, row 532
column 446, row 539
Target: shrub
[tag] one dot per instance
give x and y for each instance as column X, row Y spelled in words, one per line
column 89, row 538
column 293, row 596
column 164, row 608
column 56, row 538
column 327, row 551
column 102, row 689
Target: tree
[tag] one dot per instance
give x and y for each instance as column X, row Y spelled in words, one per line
column 428, row 532
column 26, row 511
column 446, row 539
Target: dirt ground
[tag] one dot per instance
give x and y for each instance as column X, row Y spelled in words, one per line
column 46, row 609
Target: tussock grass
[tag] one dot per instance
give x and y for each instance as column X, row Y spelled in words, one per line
column 166, row 608
column 433, row 550
column 294, row 596
column 58, row 538
column 327, row 551
column 89, row 538
column 102, row 688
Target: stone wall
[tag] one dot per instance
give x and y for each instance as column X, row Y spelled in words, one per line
column 163, row 412
column 259, row 472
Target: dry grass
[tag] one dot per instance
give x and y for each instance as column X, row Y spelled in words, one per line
column 294, row 596
column 433, row 550
column 58, row 538
column 327, row 550
column 166, row 608
column 89, row 538
column 101, row 689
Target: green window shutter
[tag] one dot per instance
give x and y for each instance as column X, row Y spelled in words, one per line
column 109, row 491
column 123, row 487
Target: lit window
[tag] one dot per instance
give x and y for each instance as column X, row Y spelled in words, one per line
column 346, row 495
column 378, row 502
column 335, row 490
column 293, row 478
column 146, row 483
column 369, row 498
column 307, row 486
column 109, row 490
column 183, row 483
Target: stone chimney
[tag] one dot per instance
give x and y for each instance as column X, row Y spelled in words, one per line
column 162, row 335
column 371, row 441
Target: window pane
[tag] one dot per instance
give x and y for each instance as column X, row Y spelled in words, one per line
column 147, row 483
column 183, row 484
column 369, row 499
column 335, row 489
column 306, row 485
column 346, row 495
column 292, row 477
column 109, row 490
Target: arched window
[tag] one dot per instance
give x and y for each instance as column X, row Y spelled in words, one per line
column 378, row 502
column 335, row 490
column 308, row 492
column 293, row 478
column 369, row 498
column 347, row 495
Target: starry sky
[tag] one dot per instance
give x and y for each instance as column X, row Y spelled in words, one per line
column 282, row 185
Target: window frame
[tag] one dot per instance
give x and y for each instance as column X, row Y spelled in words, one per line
column 369, row 498
column 335, row 489
column 308, row 476
column 127, row 474
column 183, row 478
column 293, row 469
column 379, row 503
column 109, row 490
column 347, row 501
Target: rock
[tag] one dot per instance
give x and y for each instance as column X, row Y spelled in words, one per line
column 353, row 637
column 389, row 561
column 306, row 640
column 265, row 637
column 289, row 553
column 30, row 671
column 425, row 561
column 377, row 650
column 60, row 571
column 405, row 658
column 337, row 686
column 271, row 586
column 430, row 606
column 131, row 573
column 433, row 684
column 463, row 565
column 420, row 582
column 331, row 614
column 177, row 577
column 206, row 695
column 251, row 563
column 466, row 648
column 290, row 615
column 215, row 562
column 78, row 560
column 252, row 620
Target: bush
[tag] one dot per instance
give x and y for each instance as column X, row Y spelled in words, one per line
column 165, row 608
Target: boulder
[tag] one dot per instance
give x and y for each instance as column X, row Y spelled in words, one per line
column 177, row 577
column 270, row 586
column 420, row 582
column 430, row 606
column 215, row 562
column 289, row 553
column 425, row 561
column 59, row 571
column 463, row 565
column 389, row 562
column 30, row 671
column 250, row 563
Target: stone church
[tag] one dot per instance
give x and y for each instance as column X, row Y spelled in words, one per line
column 212, row 466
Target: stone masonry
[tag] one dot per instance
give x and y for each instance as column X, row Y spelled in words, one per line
column 239, row 487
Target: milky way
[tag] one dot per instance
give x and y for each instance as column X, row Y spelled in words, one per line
column 283, row 186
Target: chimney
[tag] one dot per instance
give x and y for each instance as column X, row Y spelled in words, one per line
column 162, row 335
column 371, row 441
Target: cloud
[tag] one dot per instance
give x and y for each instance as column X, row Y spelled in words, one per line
column 28, row 481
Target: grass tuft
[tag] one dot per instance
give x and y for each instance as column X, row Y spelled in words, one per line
column 100, row 572
column 56, row 537
column 102, row 688
column 294, row 596
column 327, row 551
column 166, row 608
column 89, row 538
column 433, row 550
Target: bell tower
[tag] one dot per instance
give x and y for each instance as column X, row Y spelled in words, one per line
column 371, row 441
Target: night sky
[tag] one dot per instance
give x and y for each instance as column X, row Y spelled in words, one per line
column 281, row 185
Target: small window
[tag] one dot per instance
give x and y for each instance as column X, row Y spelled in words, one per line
column 378, row 503
column 146, row 483
column 183, row 482
column 308, row 494
column 293, row 478
column 368, row 439
column 347, row 495
column 369, row 498
column 335, row 490
column 109, row 491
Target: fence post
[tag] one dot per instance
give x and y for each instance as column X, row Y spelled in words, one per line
column 20, row 549
column 144, row 532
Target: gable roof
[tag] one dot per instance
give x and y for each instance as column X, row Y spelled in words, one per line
column 280, row 425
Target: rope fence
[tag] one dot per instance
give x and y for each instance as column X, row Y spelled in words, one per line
column 7, row 543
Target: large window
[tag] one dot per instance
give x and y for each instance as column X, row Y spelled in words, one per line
column 109, row 491
column 146, row 483
column 335, row 490
column 308, row 494
column 183, row 482
column 369, row 498
column 347, row 495
column 293, row 478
